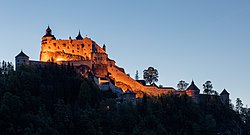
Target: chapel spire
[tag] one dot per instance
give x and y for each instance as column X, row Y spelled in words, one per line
column 79, row 36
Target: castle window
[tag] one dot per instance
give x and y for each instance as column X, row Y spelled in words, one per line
column 78, row 48
column 49, row 47
column 67, row 47
column 64, row 45
column 54, row 44
column 73, row 45
column 73, row 51
column 23, row 60
column 82, row 45
column 17, row 60
column 58, row 47
column 77, row 51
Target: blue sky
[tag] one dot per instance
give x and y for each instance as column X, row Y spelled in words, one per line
column 184, row 40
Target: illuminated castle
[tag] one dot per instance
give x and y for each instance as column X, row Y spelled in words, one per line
column 84, row 52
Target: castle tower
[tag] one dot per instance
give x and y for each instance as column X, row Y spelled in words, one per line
column 47, row 38
column 48, row 35
column 224, row 96
column 194, row 92
column 21, row 59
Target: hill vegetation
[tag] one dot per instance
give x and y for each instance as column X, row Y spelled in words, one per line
column 55, row 100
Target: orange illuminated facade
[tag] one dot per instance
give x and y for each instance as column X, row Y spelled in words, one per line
column 87, row 54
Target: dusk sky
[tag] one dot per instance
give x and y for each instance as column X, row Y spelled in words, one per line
column 183, row 39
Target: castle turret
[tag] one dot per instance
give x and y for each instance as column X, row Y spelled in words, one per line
column 194, row 92
column 79, row 36
column 48, row 34
column 21, row 59
column 224, row 96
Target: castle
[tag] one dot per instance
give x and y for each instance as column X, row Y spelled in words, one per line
column 86, row 53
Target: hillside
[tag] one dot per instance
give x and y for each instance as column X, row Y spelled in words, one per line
column 56, row 100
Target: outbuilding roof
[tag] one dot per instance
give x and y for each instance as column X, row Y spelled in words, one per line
column 224, row 92
column 22, row 54
column 193, row 87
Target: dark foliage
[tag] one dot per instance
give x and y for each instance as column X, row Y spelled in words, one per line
column 55, row 100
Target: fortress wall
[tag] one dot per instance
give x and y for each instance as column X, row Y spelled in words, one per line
column 122, row 77
column 100, row 58
column 77, row 63
column 74, row 47
column 100, row 70
column 58, row 56
column 136, row 86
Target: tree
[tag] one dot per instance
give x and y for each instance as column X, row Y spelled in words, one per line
column 137, row 75
column 239, row 105
column 150, row 75
column 208, row 88
column 182, row 85
column 6, row 67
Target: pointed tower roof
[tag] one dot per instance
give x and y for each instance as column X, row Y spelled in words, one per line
column 48, row 31
column 22, row 54
column 224, row 92
column 79, row 36
column 192, row 86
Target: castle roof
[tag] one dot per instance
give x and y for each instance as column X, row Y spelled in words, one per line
column 224, row 92
column 79, row 36
column 48, row 33
column 193, row 87
column 22, row 54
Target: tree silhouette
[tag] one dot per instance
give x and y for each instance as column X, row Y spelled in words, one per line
column 208, row 88
column 182, row 85
column 239, row 105
column 137, row 75
column 150, row 75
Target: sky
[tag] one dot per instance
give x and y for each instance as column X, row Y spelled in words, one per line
column 184, row 40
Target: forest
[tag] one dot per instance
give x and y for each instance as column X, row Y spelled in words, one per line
column 56, row 100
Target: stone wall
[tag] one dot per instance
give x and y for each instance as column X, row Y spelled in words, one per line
column 124, row 81
column 83, row 48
